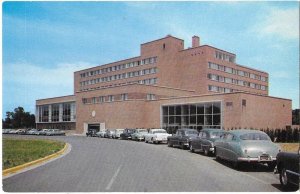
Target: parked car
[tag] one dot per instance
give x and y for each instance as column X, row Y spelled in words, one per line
column 204, row 142
column 288, row 168
column 109, row 133
column 100, row 133
column 247, row 146
column 139, row 134
column 32, row 132
column 91, row 133
column 21, row 131
column 126, row 134
column 157, row 136
column 182, row 138
column 42, row 132
column 5, row 131
column 52, row 132
column 12, row 131
column 117, row 133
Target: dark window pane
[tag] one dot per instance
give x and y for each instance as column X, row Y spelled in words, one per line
column 165, row 120
column 200, row 108
column 208, row 120
column 178, row 110
column 192, row 109
column 171, row 120
column 216, row 119
column 178, row 120
column 165, row 111
column 185, row 120
column 200, row 119
column 192, row 119
column 208, row 108
column 185, row 109
column 171, row 110
column 216, row 107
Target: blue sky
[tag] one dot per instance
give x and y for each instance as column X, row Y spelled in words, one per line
column 45, row 42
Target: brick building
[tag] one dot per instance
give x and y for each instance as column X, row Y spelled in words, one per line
column 168, row 86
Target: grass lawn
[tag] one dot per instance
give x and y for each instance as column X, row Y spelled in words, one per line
column 19, row 151
column 289, row 147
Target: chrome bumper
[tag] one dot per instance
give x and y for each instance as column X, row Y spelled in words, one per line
column 256, row 159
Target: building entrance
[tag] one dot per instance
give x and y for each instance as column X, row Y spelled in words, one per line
column 94, row 127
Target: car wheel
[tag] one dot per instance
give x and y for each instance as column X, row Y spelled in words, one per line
column 283, row 178
column 169, row 144
column 191, row 148
column 181, row 146
column 217, row 156
column 206, row 152
column 235, row 164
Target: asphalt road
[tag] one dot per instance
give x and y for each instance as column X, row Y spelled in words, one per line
column 108, row 165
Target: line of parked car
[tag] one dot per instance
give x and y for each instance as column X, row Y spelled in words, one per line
column 236, row 146
column 47, row 132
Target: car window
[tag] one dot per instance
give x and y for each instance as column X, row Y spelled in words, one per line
column 216, row 134
column 204, row 135
column 229, row 137
column 254, row 136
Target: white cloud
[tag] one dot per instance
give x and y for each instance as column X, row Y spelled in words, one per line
column 280, row 22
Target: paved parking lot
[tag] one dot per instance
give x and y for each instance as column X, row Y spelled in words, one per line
column 96, row 164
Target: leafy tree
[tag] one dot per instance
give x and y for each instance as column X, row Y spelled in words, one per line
column 18, row 119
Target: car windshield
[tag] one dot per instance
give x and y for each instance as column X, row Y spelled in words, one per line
column 254, row 136
column 216, row 135
column 192, row 133
column 159, row 132
column 143, row 131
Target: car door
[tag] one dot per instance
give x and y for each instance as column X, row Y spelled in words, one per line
column 221, row 146
column 203, row 141
column 196, row 142
column 232, row 145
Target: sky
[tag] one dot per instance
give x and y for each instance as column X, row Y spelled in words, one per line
column 43, row 43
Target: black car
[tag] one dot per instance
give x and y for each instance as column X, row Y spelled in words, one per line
column 182, row 138
column 204, row 142
column 91, row 133
column 288, row 169
column 127, row 134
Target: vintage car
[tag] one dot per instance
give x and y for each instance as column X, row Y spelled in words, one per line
column 32, row 132
column 182, row 138
column 21, row 131
column 5, row 131
column 42, row 132
column 109, row 133
column 288, row 165
column 204, row 142
column 139, row 134
column 126, row 134
column 91, row 133
column 245, row 145
column 117, row 133
column 100, row 133
column 52, row 132
column 157, row 136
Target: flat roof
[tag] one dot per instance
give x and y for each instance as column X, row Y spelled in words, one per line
column 56, row 97
column 168, row 36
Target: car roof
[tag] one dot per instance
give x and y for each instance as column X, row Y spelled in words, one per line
column 157, row 129
column 244, row 131
column 187, row 129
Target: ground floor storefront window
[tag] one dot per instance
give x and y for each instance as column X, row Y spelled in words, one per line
column 196, row 116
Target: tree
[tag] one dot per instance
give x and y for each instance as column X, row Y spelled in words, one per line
column 18, row 119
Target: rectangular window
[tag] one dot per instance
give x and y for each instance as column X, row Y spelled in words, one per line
column 111, row 98
column 55, row 112
column 150, row 96
column 66, row 112
column 124, row 97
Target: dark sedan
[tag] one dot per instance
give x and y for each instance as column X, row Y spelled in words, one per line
column 182, row 138
column 204, row 142
column 288, row 169
column 127, row 134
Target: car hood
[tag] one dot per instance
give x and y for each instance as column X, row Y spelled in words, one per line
column 256, row 148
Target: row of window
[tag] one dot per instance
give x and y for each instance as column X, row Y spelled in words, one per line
column 221, row 89
column 150, row 81
column 228, row 80
column 120, row 76
column 150, row 60
column 111, row 98
column 44, row 112
column 236, row 72
column 224, row 57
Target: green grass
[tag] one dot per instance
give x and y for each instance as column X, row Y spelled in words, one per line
column 19, row 151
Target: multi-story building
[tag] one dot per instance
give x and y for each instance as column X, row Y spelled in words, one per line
column 169, row 86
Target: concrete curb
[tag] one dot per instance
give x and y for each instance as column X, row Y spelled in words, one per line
column 35, row 162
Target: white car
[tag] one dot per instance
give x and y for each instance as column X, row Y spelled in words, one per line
column 100, row 134
column 157, row 136
column 117, row 133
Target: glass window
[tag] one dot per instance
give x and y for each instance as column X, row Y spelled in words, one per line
column 171, row 110
column 192, row 109
column 185, row 109
column 165, row 110
column 66, row 112
column 55, row 112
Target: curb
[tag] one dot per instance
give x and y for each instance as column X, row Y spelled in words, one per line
column 35, row 162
